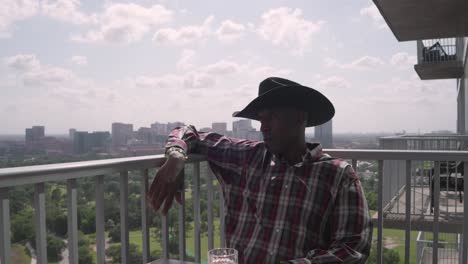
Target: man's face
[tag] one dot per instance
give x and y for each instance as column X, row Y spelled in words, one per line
column 279, row 127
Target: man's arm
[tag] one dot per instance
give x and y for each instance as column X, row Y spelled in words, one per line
column 350, row 226
column 222, row 152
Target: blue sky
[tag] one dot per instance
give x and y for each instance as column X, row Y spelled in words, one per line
column 85, row 64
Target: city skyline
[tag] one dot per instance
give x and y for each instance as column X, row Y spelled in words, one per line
column 86, row 64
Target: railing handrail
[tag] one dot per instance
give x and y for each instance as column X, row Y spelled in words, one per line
column 62, row 171
column 447, row 136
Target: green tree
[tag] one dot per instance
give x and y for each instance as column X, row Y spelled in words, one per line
column 22, row 228
column 55, row 246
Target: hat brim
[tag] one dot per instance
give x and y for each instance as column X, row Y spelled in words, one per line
column 319, row 108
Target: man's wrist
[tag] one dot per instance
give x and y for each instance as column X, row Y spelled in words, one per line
column 176, row 152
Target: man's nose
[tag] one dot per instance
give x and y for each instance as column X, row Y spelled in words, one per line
column 264, row 127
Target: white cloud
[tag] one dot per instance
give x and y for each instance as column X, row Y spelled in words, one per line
column 198, row 81
column 263, row 72
column 80, row 60
column 34, row 73
column 15, row 10
column 364, row 63
column 184, row 35
column 334, row 82
column 373, row 13
column 185, row 61
column 230, row 31
column 23, row 62
column 163, row 82
column 47, row 76
column 223, row 67
column 403, row 60
column 126, row 23
column 287, row 27
column 66, row 11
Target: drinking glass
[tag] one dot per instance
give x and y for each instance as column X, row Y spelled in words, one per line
column 222, row 256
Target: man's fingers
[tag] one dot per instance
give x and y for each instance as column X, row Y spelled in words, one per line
column 158, row 199
column 156, row 183
column 168, row 201
column 178, row 197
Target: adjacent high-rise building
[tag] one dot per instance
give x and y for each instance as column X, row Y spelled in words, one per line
column 324, row 134
column 121, row 134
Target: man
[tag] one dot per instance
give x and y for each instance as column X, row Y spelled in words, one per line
column 286, row 200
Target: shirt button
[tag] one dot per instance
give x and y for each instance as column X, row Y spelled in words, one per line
column 277, row 230
column 271, row 252
column 286, row 186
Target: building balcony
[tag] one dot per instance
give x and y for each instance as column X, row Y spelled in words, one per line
column 440, row 58
column 404, row 202
column 425, row 19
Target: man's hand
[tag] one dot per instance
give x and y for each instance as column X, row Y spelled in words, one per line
column 166, row 183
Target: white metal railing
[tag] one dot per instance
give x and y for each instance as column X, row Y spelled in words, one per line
column 69, row 172
column 439, row 50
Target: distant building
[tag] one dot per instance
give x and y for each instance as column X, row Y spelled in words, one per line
column 241, row 128
column 171, row 126
column 219, row 127
column 34, row 134
column 71, row 133
column 147, row 135
column 121, row 134
column 161, row 129
column 80, row 142
column 84, row 142
column 324, row 134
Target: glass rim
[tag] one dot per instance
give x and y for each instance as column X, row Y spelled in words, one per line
column 230, row 251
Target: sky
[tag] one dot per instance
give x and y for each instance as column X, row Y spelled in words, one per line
column 85, row 64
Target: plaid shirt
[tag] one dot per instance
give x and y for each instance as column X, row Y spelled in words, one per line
column 311, row 212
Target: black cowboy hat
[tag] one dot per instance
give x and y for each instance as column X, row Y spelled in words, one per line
column 278, row 92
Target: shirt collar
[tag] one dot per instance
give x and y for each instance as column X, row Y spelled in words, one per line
column 313, row 153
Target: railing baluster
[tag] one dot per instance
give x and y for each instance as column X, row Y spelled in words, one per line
column 144, row 216
column 435, row 244
column 124, row 238
column 222, row 234
column 380, row 214
column 465, row 212
column 72, row 221
column 196, row 209
column 40, row 223
column 165, row 236
column 210, row 209
column 5, row 242
column 408, row 212
column 182, row 245
column 100, row 232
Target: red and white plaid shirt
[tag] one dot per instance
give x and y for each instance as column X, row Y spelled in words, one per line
column 311, row 212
